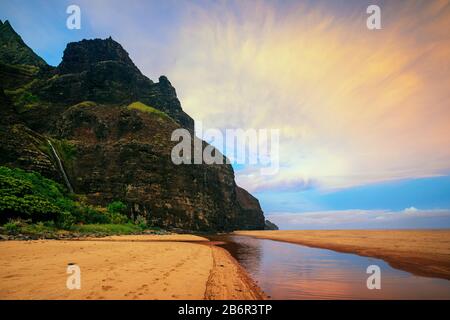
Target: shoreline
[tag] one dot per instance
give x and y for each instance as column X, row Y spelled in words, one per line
column 186, row 267
column 219, row 286
column 420, row 252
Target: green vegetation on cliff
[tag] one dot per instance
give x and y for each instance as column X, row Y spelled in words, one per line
column 29, row 196
column 22, row 97
column 65, row 149
column 32, row 204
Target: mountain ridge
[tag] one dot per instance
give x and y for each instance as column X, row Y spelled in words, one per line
column 16, row 51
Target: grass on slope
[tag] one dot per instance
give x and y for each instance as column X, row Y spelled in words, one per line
column 139, row 106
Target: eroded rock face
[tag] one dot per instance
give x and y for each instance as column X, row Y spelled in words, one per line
column 81, row 56
column 250, row 215
column 270, row 226
column 101, row 71
column 126, row 154
column 20, row 146
column 111, row 152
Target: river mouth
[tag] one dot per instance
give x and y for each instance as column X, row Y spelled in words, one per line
column 289, row 271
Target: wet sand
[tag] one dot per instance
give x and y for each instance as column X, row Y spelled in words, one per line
column 229, row 281
column 421, row 252
column 128, row 267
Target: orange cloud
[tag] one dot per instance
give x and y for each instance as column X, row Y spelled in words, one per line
column 354, row 106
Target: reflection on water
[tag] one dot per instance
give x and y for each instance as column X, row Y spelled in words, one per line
column 290, row 271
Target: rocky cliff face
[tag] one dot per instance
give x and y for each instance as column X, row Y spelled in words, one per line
column 250, row 216
column 270, row 226
column 111, row 149
column 101, row 71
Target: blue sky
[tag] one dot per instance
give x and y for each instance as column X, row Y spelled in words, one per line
column 364, row 116
column 426, row 193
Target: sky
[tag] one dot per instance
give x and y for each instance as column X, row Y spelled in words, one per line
column 363, row 115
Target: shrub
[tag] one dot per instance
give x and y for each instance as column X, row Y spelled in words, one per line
column 27, row 207
column 117, row 212
column 30, row 196
column 117, row 207
column 12, row 227
column 93, row 215
column 65, row 220
column 141, row 221
column 117, row 218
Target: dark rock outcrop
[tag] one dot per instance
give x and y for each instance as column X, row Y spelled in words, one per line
column 250, row 213
column 81, row 56
column 270, row 226
column 111, row 151
column 102, row 71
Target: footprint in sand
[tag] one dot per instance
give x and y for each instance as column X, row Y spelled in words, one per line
column 179, row 265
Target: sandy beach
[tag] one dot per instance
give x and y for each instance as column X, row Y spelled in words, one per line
column 421, row 252
column 123, row 267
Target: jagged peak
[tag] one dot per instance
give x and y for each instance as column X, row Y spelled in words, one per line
column 13, row 50
column 165, row 86
column 79, row 56
column 163, row 80
column 6, row 26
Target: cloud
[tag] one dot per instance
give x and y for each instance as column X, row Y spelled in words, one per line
column 354, row 107
column 363, row 219
column 258, row 183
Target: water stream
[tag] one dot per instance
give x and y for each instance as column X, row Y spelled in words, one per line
column 291, row 271
column 61, row 167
